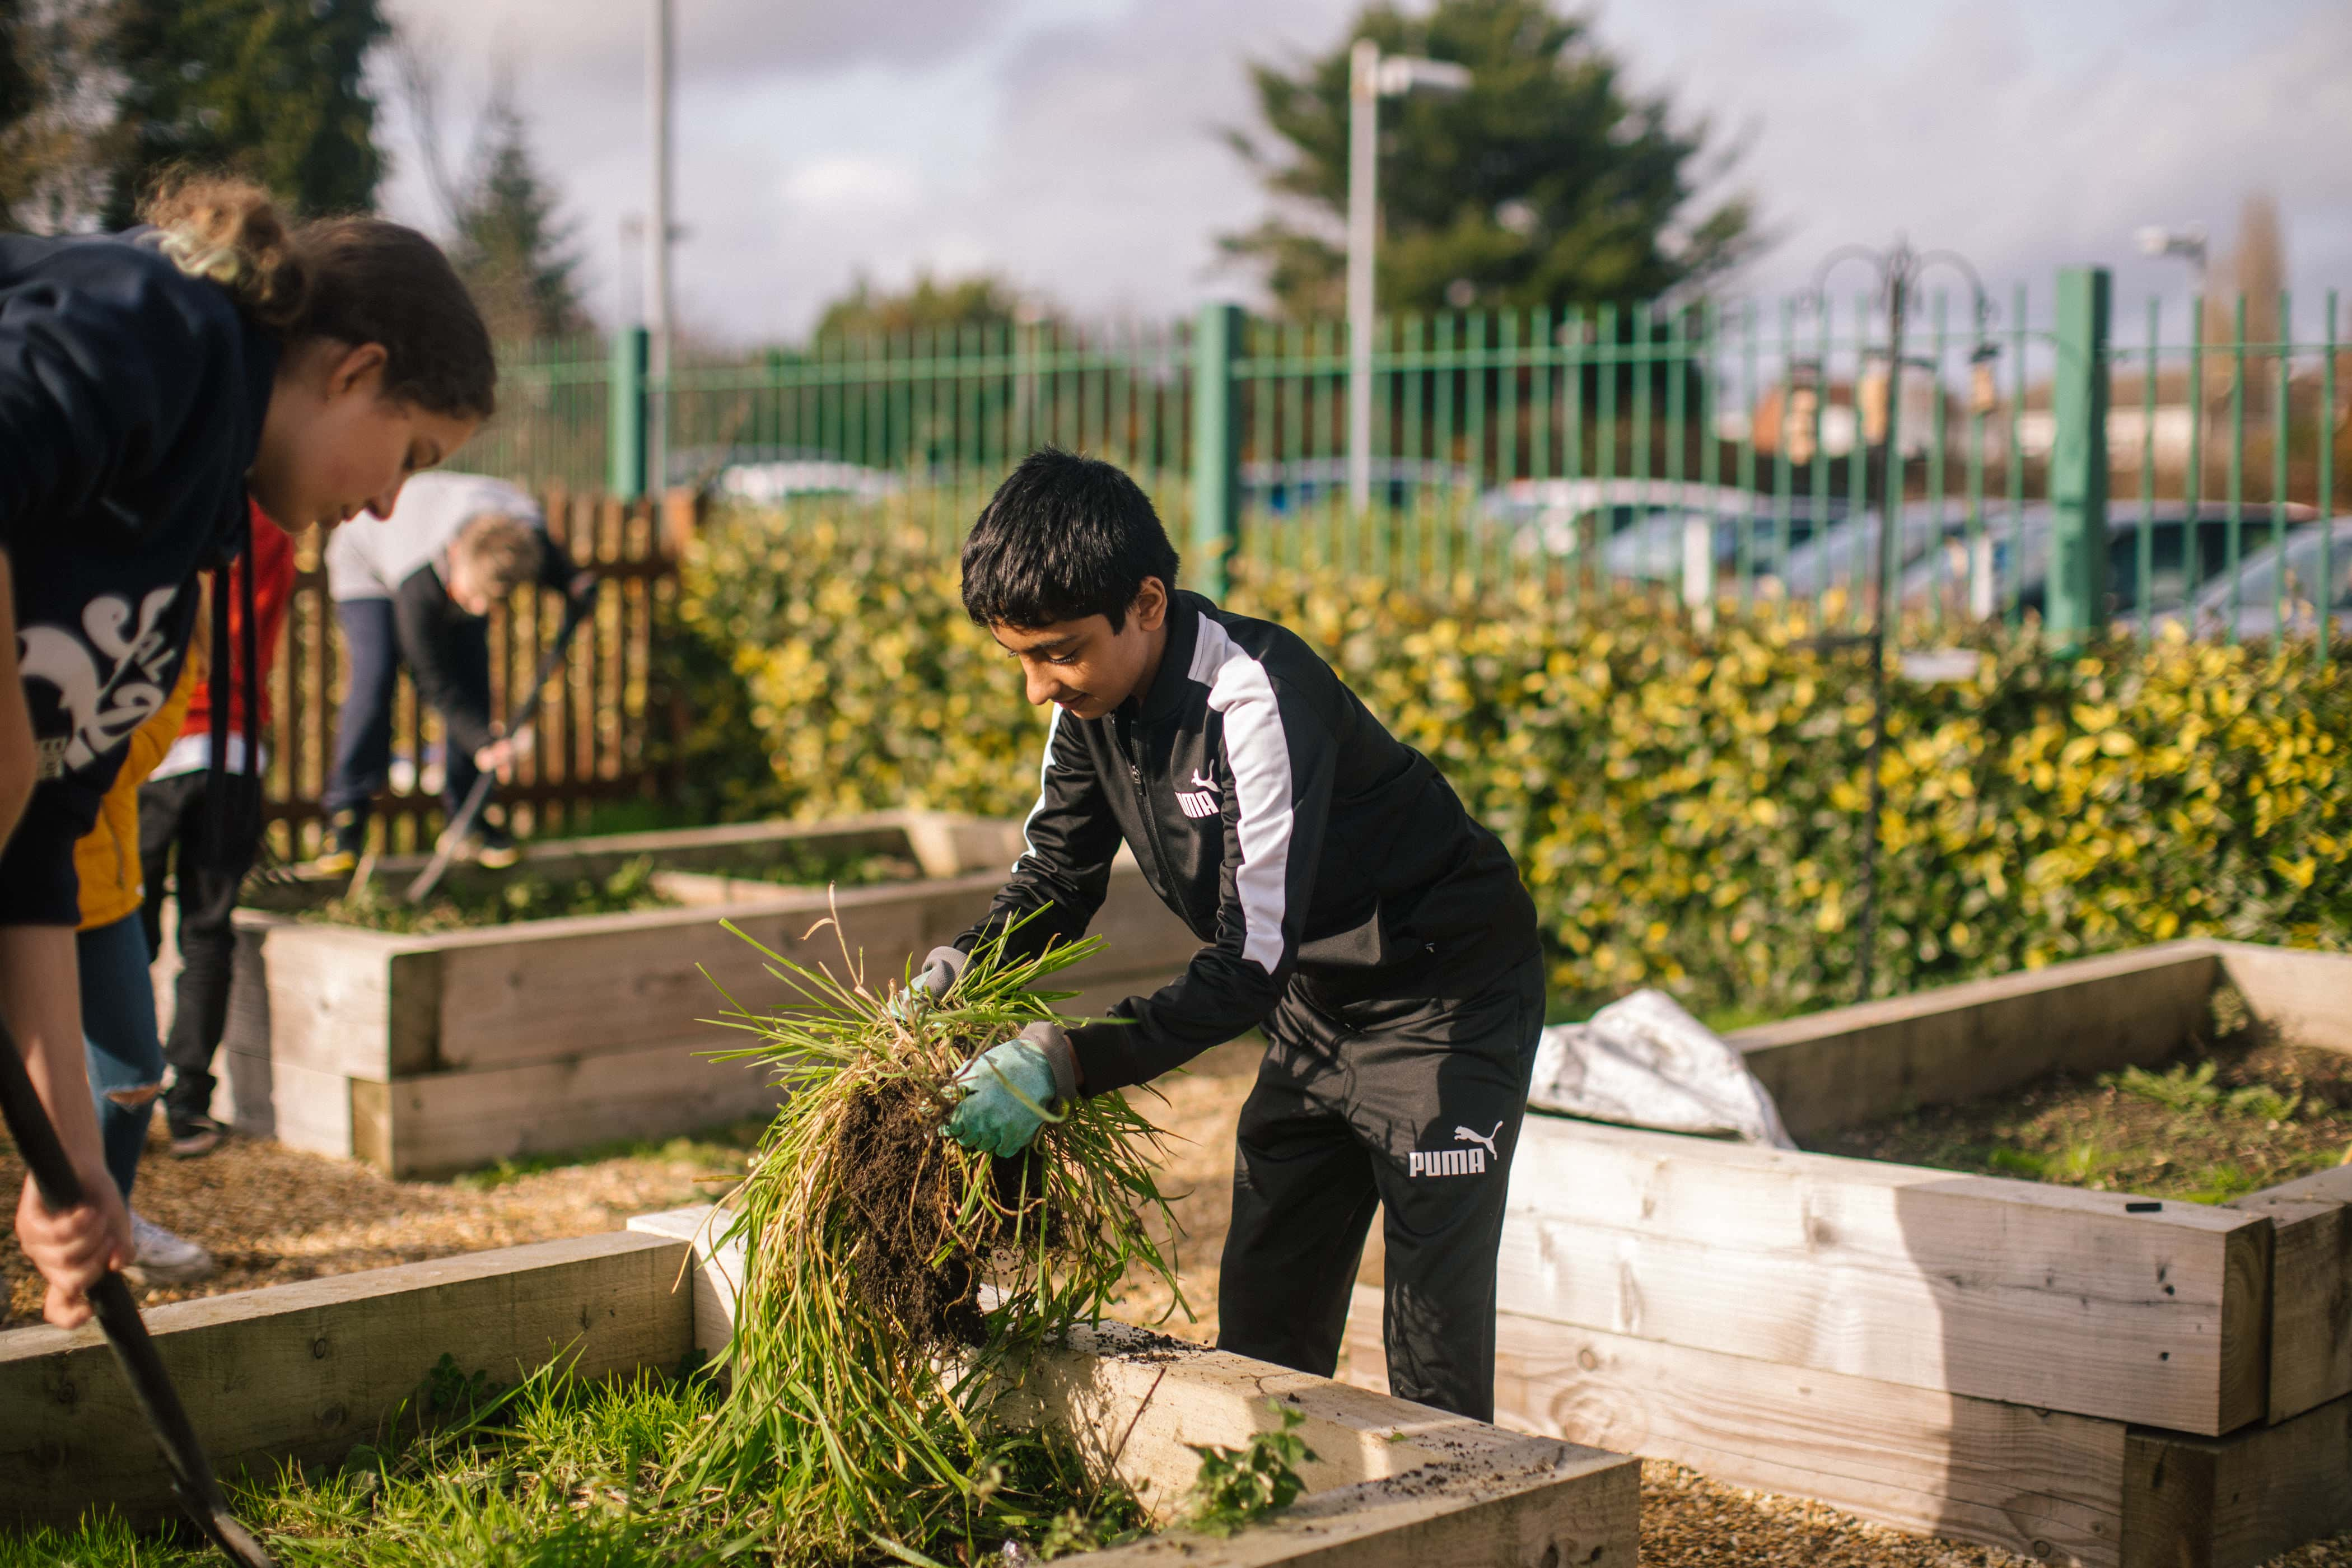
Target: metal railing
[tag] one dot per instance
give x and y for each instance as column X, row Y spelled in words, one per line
column 2037, row 460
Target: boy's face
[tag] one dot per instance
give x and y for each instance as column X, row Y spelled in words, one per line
column 1084, row 666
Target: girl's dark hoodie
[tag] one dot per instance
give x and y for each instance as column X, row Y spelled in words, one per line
column 131, row 400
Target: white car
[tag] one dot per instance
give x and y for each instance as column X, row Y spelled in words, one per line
column 2249, row 605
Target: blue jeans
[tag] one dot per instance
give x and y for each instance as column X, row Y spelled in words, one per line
column 119, row 1041
column 363, row 728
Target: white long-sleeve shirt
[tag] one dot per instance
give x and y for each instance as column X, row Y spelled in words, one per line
column 369, row 558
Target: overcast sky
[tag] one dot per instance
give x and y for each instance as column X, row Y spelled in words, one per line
column 1070, row 144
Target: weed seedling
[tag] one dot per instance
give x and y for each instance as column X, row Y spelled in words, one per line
column 1237, row 1487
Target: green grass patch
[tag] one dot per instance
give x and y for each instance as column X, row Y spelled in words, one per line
column 625, row 891
column 718, row 1151
column 817, row 866
column 556, row 1473
column 2207, row 1128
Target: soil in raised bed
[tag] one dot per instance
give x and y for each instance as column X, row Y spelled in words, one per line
column 2224, row 1118
column 625, row 891
column 816, row 866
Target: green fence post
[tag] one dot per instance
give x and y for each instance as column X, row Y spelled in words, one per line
column 1216, row 448
column 2078, row 458
column 625, row 476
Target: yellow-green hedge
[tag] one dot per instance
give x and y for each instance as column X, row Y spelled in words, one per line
column 1685, row 812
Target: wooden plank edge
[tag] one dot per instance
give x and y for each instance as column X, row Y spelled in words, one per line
column 2241, row 1500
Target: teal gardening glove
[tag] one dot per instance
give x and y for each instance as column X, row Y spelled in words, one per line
column 930, row 985
column 1005, row 1087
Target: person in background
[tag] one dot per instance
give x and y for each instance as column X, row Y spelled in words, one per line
column 417, row 588
column 176, row 825
column 149, row 383
column 122, row 1049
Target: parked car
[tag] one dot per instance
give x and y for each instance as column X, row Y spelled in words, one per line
column 2249, row 605
column 1654, row 549
column 2187, row 549
column 1559, row 517
column 1300, row 484
column 764, row 475
column 1846, row 554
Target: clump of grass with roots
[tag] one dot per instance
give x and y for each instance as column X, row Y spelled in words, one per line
column 896, row 1283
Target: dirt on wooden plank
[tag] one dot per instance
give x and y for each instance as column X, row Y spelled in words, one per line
column 2222, row 1121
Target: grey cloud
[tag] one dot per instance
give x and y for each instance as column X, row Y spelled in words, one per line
column 1088, row 167
column 592, row 43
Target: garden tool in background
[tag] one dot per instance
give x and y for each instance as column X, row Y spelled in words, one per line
column 575, row 611
column 118, row 1314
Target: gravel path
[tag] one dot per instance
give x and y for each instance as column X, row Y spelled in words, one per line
column 272, row 1216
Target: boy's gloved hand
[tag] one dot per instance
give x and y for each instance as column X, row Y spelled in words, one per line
column 932, row 983
column 1007, row 1086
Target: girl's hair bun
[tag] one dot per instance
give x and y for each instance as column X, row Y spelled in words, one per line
column 228, row 230
column 351, row 280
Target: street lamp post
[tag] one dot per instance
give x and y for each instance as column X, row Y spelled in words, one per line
column 658, row 234
column 1370, row 78
column 2187, row 242
column 1899, row 271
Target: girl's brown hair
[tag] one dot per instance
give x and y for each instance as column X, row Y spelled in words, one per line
column 353, row 279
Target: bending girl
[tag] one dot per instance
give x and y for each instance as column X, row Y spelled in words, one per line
column 151, row 382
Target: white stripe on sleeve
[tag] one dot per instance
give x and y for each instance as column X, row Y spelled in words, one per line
column 1258, row 752
column 1029, row 845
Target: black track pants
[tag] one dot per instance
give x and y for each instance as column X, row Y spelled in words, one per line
column 1414, row 1107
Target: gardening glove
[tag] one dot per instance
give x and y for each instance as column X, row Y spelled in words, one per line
column 1007, row 1086
column 932, row 983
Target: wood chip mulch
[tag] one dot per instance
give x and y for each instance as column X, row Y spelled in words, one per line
column 270, row 1214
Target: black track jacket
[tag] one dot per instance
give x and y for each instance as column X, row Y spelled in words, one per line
column 1283, row 823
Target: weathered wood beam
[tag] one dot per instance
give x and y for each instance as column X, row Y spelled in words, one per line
column 2035, row 1482
column 1957, row 1043
column 2039, row 1295
column 2310, row 1289
column 307, row 1370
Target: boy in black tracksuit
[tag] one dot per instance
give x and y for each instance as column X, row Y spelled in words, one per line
column 1355, row 914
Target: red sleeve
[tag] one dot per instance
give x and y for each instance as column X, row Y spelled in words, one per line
column 272, row 562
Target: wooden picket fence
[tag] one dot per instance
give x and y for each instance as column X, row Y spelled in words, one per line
column 597, row 730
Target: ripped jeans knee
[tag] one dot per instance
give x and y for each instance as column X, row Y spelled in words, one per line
column 135, row 1097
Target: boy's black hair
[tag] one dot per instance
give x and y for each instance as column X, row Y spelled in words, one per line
column 1064, row 537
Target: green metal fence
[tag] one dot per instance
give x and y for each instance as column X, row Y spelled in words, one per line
column 2038, row 455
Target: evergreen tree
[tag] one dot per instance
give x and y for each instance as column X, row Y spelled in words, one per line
column 520, row 258
column 56, row 96
column 976, row 302
column 1549, row 183
column 273, row 89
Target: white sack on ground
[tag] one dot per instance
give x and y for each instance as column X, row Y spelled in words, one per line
column 1644, row 1062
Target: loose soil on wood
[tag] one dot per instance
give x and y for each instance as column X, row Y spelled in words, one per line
column 273, row 1215
column 2223, row 1120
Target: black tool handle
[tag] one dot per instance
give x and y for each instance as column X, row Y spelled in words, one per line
column 60, row 1188
column 552, row 660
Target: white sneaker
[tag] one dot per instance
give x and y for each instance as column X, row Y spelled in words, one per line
column 164, row 1258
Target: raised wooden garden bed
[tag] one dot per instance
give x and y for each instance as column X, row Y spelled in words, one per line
column 2084, row 1377
column 422, row 1054
column 307, row 1371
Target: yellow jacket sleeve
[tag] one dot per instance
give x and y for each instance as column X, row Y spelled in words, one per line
column 107, row 858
